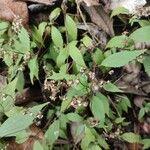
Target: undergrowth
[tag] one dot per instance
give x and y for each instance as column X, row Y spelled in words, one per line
column 82, row 105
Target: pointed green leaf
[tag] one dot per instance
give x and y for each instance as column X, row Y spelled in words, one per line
column 141, row 35
column 57, row 37
column 131, row 137
column 63, row 55
column 111, row 87
column 146, row 63
column 71, row 28
column 37, row 146
column 88, row 138
column 117, row 41
column 24, row 39
column 97, row 108
column 52, row 133
column 121, row 58
column 146, row 143
column 19, row 121
column 15, row 124
column 75, row 54
column 74, row 117
column 119, row 10
column 54, row 14
column 34, row 68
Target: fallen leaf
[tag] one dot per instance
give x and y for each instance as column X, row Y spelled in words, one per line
column 146, row 128
column 10, row 9
column 28, row 95
column 100, row 18
column 90, row 2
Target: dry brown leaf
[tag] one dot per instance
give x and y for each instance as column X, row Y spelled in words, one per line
column 128, row 88
column 28, row 95
column 9, row 9
column 100, row 18
column 146, row 128
column 139, row 100
column 3, row 82
column 89, row 2
column 146, row 88
column 46, row 2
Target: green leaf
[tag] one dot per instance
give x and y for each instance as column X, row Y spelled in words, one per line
column 98, row 56
column 74, row 117
column 21, row 81
column 37, row 33
column 100, row 107
column 121, row 58
column 15, row 124
column 144, row 23
column 10, row 88
column 131, row 137
column 94, row 147
column 105, row 102
column 117, row 41
column 57, row 37
column 36, row 109
column 63, row 55
column 63, row 121
column 37, row 146
column 100, row 139
column 146, row 143
column 3, row 27
column 24, row 39
column 71, row 28
column 141, row 35
column 141, row 113
column 77, row 131
column 124, row 103
column 75, row 54
column 88, row 138
column 108, row 86
column 12, row 110
column 22, row 136
column 66, row 103
column 146, row 63
column 119, row 10
column 7, row 59
column 119, row 120
column 87, row 41
column 6, row 105
column 102, row 142
column 54, row 14
column 19, row 121
column 62, row 75
column 34, row 68
column 52, row 133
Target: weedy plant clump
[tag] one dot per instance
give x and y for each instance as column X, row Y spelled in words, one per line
column 62, row 88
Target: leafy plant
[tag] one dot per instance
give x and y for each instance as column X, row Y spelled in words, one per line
column 82, row 102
